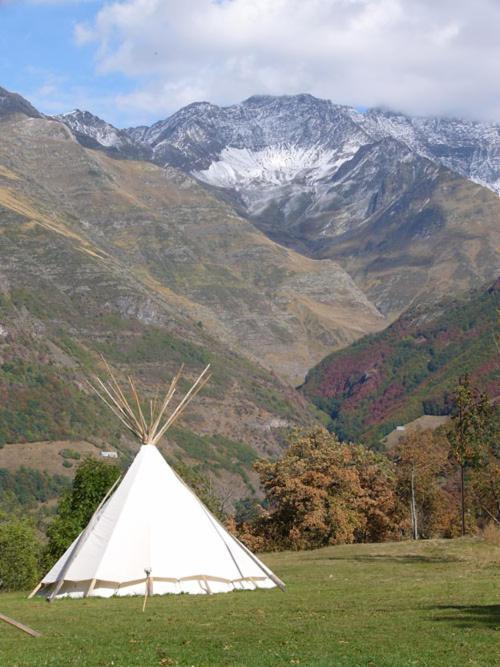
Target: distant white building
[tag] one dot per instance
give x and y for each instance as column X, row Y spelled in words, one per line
column 109, row 455
column 400, row 428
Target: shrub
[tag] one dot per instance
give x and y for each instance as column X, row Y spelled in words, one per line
column 70, row 454
column 491, row 534
column 19, row 555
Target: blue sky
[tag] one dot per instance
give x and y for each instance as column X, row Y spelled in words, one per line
column 41, row 59
column 135, row 61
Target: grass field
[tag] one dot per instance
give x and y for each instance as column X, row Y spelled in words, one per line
column 430, row 603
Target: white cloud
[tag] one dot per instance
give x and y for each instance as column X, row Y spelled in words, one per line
column 425, row 56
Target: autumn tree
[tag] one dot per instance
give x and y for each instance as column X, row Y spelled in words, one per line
column 484, row 479
column 470, row 432
column 484, row 486
column 421, row 459
column 379, row 502
column 325, row 492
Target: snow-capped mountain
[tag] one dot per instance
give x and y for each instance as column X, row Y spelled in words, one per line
column 265, row 152
column 201, row 131
column 373, row 190
column 269, row 141
column 306, row 170
column 93, row 132
column 470, row 148
column 287, row 136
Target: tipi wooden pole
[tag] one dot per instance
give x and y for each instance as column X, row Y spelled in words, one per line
column 209, row 590
column 168, row 397
column 197, row 386
column 35, row 591
column 149, row 588
column 91, row 587
column 20, row 626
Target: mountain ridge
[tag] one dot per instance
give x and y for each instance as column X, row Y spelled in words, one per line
column 424, row 134
column 324, row 179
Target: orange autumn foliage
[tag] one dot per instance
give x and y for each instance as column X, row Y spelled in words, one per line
column 324, row 492
column 425, row 456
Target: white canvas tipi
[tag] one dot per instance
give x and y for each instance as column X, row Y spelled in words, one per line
column 153, row 535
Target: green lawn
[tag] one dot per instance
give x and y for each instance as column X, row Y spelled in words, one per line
column 430, row 603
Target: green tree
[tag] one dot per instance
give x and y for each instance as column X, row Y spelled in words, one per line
column 470, row 432
column 19, row 554
column 92, row 481
column 247, row 510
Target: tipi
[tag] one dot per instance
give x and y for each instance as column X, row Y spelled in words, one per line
column 152, row 535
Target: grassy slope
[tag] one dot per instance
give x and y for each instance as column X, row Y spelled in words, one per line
column 163, row 232
column 142, row 265
column 430, row 603
column 64, row 300
column 395, row 376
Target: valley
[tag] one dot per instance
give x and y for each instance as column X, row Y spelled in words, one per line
column 266, row 238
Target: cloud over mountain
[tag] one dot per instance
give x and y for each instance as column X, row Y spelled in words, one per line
column 424, row 57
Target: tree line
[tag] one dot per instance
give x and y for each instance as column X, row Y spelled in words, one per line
column 321, row 491
column 442, row 483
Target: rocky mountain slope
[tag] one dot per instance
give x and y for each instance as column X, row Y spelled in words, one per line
column 411, row 368
column 274, row 304
column 141, row 264
column 93, row 132
column 376, row 191
column 470, row 148
column 11, row 103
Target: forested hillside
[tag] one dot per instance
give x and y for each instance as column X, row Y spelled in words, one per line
column 409, row 369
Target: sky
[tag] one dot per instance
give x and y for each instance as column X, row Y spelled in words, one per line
column 135, row 61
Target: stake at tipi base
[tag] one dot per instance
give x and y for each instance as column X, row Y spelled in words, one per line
column 152, row 522
column 149, row 588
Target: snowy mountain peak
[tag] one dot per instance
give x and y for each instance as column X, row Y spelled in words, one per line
column 89, row 125
column 267, row 140
column 197, row 135
column 94, row 132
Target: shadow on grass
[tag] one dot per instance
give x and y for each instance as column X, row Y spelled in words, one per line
column 470, row 616
column 408, row 558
